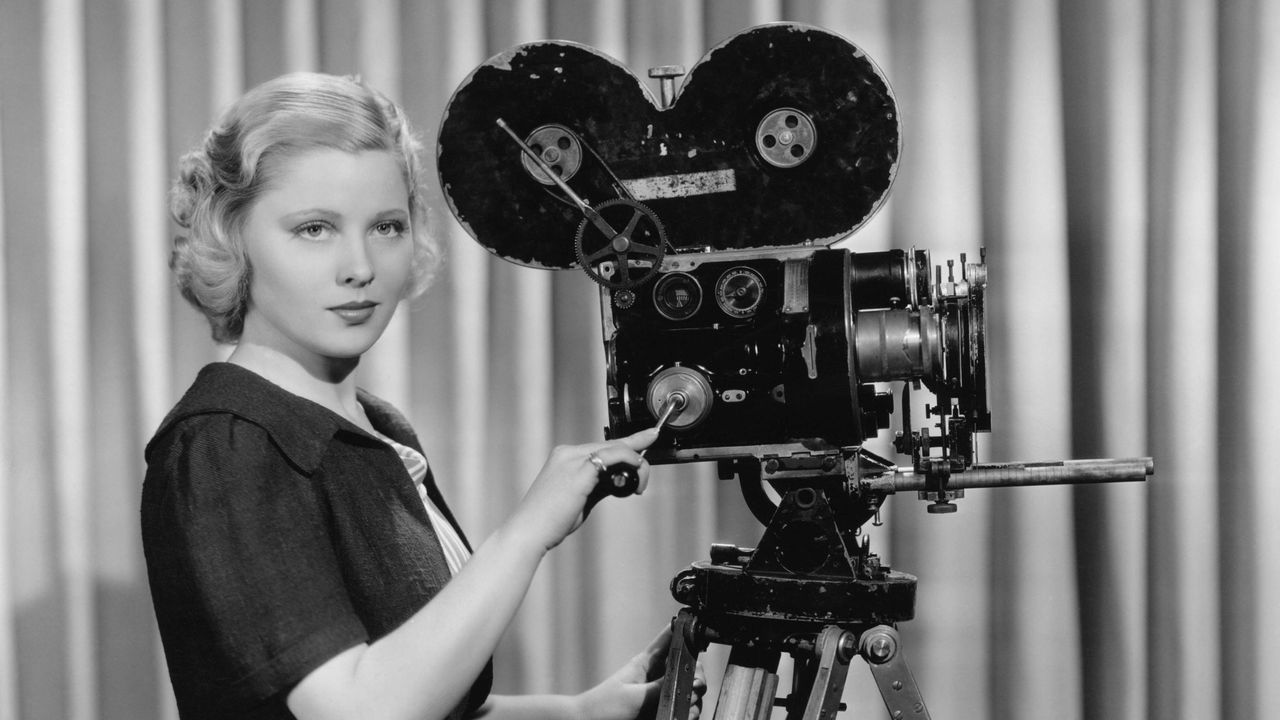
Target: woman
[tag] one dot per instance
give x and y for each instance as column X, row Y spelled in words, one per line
column 301, row 559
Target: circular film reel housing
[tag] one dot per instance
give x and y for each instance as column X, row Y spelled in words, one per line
column 555, row 91
column 833, row 171
column 784, row 135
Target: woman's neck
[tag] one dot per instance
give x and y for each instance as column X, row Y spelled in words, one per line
column 330, row 383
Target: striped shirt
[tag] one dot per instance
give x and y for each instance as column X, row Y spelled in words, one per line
column 455, row 551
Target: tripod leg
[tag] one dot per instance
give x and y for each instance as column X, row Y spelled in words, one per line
column 883, row 650
column 835, row 648
column 677, row 684
column 749, row 687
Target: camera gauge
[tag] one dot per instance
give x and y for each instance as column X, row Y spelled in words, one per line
column 739, row 292
column 677, row 296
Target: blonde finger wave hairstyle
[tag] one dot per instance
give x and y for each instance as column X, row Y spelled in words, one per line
column 221, row 178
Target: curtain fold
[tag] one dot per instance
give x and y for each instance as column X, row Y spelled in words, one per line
column 8, row 643
column 1033, row 611
column 1182, row 365
column 1104, row 105
column 1118, row 160
column 1248, row 181
column 931, row 62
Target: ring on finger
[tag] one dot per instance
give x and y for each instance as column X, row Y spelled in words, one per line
column 595, row 460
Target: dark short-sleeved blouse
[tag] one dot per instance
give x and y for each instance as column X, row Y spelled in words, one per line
column 277, row 534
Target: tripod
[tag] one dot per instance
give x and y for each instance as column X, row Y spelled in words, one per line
column 803, row 592
column 807, row 592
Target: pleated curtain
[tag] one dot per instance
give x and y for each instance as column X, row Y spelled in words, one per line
column 1119, row 161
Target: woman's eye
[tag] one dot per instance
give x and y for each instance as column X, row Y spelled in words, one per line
column 389, row 228
column 311, row 230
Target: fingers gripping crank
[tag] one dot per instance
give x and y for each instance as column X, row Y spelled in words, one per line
column 622, row 479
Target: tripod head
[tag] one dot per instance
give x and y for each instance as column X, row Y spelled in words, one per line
column 815, row 528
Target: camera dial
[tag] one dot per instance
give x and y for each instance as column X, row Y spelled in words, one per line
column 677, row 296
column 739, row 291
column 685, row 386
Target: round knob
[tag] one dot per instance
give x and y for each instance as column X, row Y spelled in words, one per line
column 666, row 75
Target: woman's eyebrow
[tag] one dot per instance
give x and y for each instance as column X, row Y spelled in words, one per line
column 311, row 214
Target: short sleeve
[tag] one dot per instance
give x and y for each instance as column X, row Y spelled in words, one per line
column 248, row 589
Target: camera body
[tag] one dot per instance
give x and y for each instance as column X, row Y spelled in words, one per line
column 785, row 352
column 731, row 320
column 710, row 221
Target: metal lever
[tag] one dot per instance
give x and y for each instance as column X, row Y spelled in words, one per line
column 882, row 650
column 589, row 212
column 621, row 479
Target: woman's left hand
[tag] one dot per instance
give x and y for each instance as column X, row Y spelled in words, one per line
column 633, row 691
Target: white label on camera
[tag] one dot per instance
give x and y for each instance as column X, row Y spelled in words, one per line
column 681, row 185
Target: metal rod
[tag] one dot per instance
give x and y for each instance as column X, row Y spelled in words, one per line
column 587, row 211
column 675, row 403
column 1064, row 472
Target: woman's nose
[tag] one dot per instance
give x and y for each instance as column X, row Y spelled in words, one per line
column 355, row 269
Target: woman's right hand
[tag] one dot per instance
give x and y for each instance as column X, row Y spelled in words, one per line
column 556, row 503
column 452, row 637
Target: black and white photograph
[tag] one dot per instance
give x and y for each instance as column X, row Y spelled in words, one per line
column 639, row 359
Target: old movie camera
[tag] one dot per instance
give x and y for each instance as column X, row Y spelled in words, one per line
column 707, row 218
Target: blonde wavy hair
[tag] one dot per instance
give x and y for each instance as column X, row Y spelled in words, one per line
column 221, row 178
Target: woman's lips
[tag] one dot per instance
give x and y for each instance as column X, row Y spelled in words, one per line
column 355, row 313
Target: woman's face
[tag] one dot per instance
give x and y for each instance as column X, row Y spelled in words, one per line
column 330, row 249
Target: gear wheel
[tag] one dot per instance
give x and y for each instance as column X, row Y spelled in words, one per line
column 624, row 299
column 642, row 237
